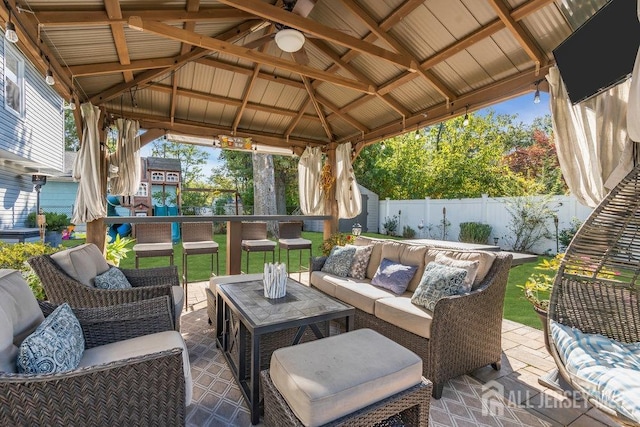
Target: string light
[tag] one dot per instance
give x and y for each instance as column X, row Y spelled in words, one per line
column 536, row 97
column 49, row 78
column 10, row 31
column 465, row 122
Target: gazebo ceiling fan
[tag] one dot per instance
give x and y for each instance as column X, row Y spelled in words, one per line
column 288, row 39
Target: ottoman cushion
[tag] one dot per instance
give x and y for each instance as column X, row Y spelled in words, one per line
column 329, row 378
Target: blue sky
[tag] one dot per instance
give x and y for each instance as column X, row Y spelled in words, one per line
column 523, row 106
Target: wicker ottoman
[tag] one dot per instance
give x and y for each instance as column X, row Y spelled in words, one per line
column 353, row 379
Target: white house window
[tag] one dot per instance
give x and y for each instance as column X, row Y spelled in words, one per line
column 143, row 190
column 157, row 176
column 173, row 176
column 13, row 81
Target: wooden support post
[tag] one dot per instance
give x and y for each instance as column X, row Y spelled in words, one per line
column 97, row 230
column 234, row 250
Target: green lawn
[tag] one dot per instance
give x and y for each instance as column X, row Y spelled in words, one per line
column 516, row 307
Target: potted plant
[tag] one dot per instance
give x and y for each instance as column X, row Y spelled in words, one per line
column 56, row 223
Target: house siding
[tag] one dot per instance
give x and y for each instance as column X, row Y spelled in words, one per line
column 28, row 144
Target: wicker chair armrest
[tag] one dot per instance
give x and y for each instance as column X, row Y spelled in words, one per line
column 145, row 390
column 153, row 276
column 317, row 262
column 104, row 325
column 475, row 316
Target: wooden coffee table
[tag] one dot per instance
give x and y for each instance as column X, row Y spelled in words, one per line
column 249, row 327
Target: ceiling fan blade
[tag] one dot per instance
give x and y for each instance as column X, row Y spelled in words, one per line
column 259, row 41
column 304, row 7
column 301, row 56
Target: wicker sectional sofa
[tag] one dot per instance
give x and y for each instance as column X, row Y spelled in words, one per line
column 461, row 334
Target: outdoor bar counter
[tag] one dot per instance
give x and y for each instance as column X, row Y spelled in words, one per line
column 234, row 228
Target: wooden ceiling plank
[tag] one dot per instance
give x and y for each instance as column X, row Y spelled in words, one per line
column 81, row 18
column 474, row 37
column 331, row 106
column 205, row 96
column 150, row 135
column 369, row 22
column 314, row 28
column 192, row 6
column 148, row 121
column 400, row 13
column 518, row 32
column 114, row 91
column 116, row 67
column 245, row 98
column 112, row 8
column 316, row 106
column 210, row 43
column 296, row 119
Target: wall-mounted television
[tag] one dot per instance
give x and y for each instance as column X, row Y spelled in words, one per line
column 601, row 52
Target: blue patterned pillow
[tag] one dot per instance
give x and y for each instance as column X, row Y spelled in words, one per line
column 113, row 278
column 393, row 276
column 438, row 281
column 55, row 346
column 339, row 260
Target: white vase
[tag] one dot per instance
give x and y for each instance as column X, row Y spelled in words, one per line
column 275, row 280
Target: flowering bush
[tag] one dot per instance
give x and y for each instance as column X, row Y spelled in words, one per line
column 336, row 239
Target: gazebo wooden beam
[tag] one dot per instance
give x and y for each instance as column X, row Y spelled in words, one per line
column 117, row 31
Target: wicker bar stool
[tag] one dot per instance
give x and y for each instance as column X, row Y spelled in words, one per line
column 152, row 240
column 254, row 239
column 290, row 240
column 197, row 239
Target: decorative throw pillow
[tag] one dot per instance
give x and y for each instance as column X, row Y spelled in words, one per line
column 393, row 276
column 360, row 261
column 470, row 266
column 438, row 281
column 339, row 260
column 113, row 278
column 55, row 346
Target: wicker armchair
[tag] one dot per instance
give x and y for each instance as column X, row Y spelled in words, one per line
column 146, row 283
column 148, row 389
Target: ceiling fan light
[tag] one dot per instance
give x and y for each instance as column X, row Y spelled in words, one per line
column 289, row 40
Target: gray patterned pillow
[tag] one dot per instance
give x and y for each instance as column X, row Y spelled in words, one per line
column 393, row 276
column 438, row 281
column 113, row 278
column 360, row 261
column 339, row 261
column 55, row 346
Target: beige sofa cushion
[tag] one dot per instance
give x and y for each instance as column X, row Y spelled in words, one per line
column 414, row 255
column 82, row 263
column 401, row 312
column 19, row 316
column 485, row 258
column 326, row 379
column 323, row 281
column 140, row 346
column 360, row 294
column 376, row 253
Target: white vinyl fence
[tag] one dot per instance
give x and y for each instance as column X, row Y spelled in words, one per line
column 487, row 210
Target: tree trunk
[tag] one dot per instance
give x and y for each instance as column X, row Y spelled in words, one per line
column 264, row 197
column 281, row 188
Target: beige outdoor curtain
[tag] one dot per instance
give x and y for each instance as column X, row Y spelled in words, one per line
column 347, row 191
column 90, row 203
column 126, row 159
column 633, row 112
column 310, row 190
column 593, row 148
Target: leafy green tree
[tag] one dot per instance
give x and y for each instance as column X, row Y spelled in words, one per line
column 71, row 141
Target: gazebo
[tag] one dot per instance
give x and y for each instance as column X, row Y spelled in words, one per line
column 286, row 75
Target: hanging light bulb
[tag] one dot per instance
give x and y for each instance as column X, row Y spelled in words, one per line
column 383, row 145
column 10, row 31
column 536, row 97
column 49, row 78
column 418, row 134
column 465, row 122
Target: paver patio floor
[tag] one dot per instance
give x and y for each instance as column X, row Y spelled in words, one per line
column 217, row 401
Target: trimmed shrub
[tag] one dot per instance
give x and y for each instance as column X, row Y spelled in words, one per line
column 474, row 232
